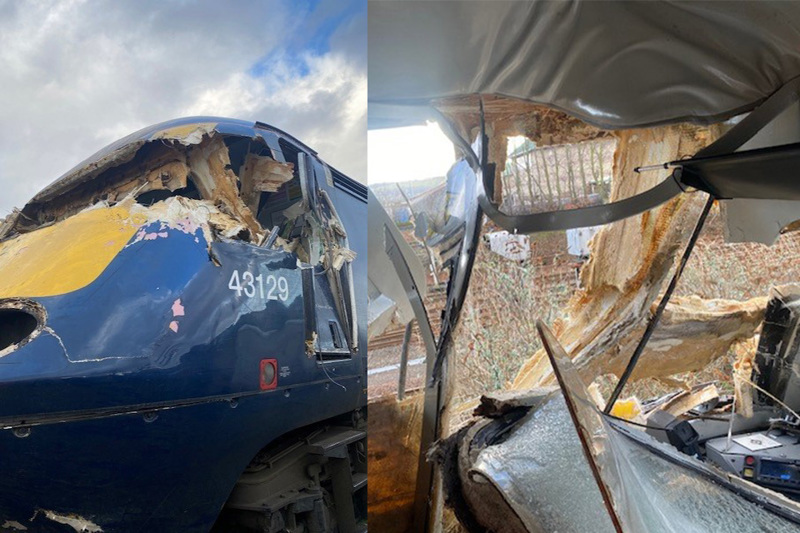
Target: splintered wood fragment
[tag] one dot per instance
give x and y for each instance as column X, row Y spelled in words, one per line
column 743, row 370
column 342, row 256
column 7, row 223
column 210, row 165
column 597, row 397
column 629, row 261
column 499, row 403
column 262, row 174
column 171, row 175
column 688, row 400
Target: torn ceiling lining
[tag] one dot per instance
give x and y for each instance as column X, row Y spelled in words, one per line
column 614, row 65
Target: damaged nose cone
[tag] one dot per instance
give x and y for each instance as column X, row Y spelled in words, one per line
column 20, row 322
column 141, row 299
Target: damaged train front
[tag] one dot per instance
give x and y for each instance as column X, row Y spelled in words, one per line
column 159, row 307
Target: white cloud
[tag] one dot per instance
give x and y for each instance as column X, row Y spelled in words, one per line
column 327, row 104
column 75, row 76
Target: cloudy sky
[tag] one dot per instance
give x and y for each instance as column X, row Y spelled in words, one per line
column 76, row 75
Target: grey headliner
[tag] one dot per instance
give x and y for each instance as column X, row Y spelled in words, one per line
column 612, row 64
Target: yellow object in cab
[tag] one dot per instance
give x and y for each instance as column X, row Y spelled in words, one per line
column 627, row 409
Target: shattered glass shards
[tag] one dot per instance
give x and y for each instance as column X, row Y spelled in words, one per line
column 540, row 468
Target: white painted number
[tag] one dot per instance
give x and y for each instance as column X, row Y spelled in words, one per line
column 271, row 293
column 260, row 280
column 277, row 288
column 279, row 285
column 234, row 283
column 283, row 288
column 250, row 289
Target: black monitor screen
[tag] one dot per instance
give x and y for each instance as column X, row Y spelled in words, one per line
column 779, row 471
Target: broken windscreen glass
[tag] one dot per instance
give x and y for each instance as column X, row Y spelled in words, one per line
column 541, row 466
column 652, row 487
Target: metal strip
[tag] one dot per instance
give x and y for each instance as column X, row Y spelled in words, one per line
column 401, row 382
column 430, row 413
column 108, row 412
column 584, row 217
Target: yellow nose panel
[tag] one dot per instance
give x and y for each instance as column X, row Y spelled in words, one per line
column 67, row 256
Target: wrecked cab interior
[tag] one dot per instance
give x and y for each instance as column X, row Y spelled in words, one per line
column 565, row 445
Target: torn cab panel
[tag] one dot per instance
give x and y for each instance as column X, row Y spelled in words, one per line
column 167, row 310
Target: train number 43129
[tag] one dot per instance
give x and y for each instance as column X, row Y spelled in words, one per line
column 268, row 288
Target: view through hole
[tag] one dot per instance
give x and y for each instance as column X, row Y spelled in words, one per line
column 15, row 326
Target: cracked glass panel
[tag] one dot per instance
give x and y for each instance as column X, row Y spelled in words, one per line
column 543, row 472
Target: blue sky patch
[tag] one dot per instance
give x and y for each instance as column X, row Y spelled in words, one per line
column 317, row 42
